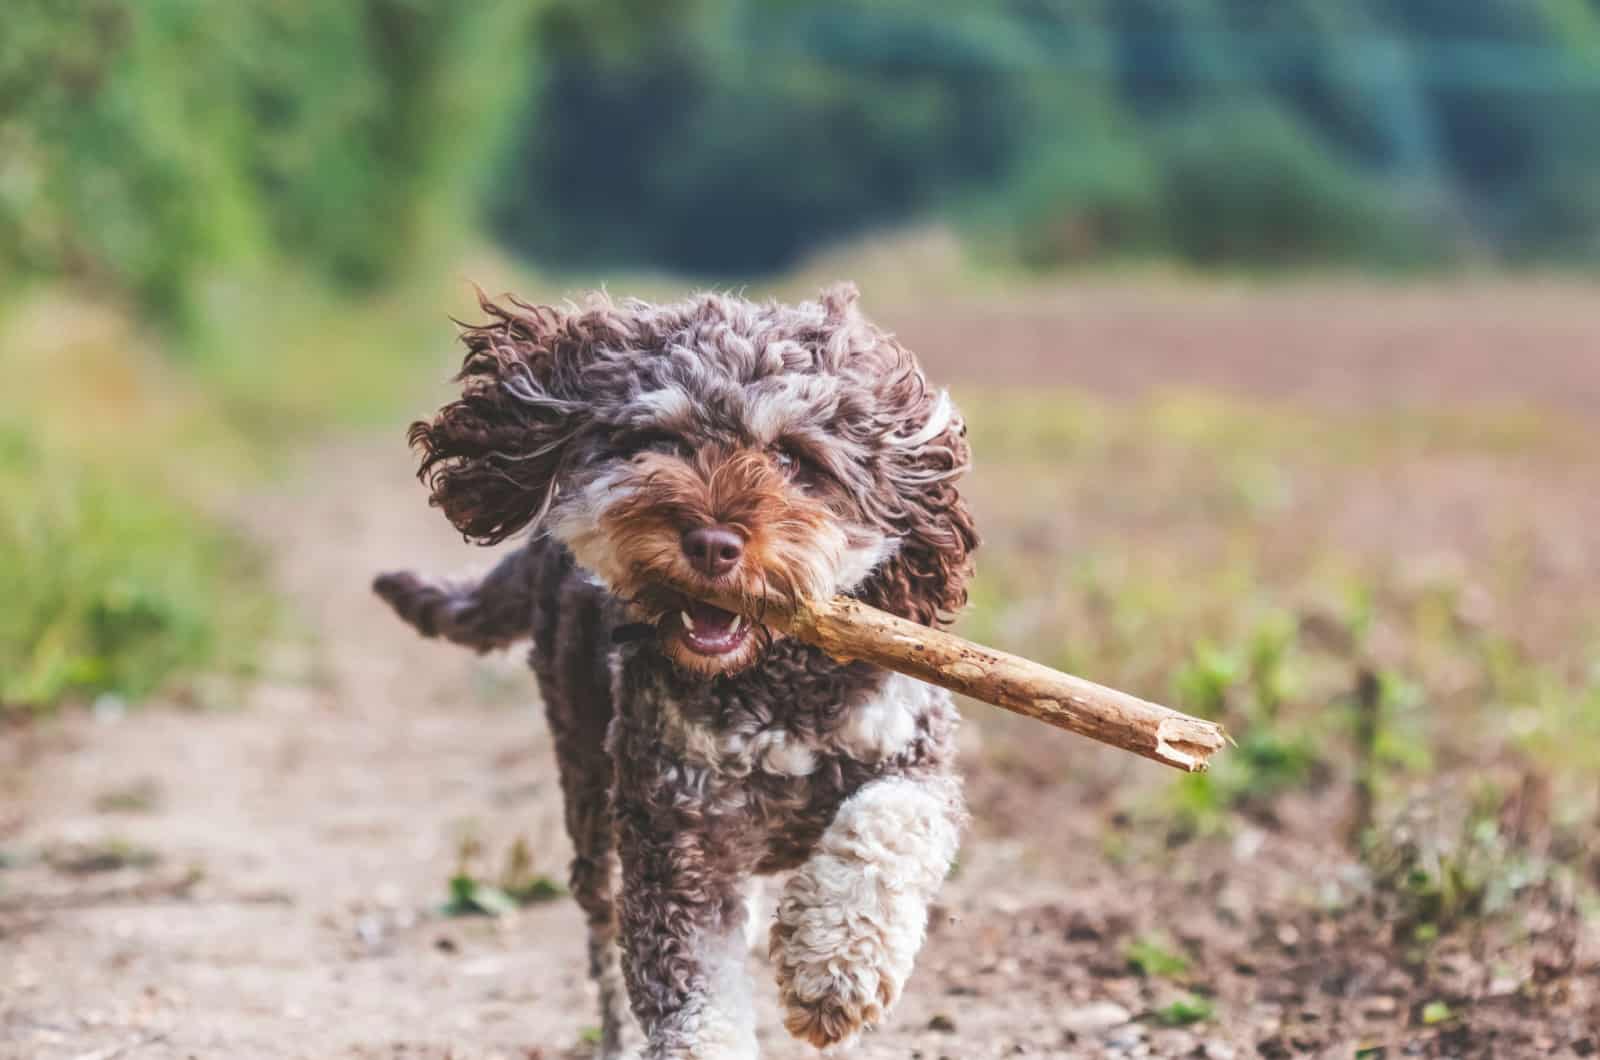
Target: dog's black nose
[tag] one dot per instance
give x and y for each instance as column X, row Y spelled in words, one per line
column 713, row 550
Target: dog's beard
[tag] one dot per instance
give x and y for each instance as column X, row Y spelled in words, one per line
column 626, row 527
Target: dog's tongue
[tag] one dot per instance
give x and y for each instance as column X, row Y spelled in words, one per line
column 710, row 621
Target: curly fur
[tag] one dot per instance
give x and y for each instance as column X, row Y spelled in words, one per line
column 813, row 436
column 863, row 893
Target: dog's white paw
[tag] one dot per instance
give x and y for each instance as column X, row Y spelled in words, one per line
column 852, row 918
column 828, row 1001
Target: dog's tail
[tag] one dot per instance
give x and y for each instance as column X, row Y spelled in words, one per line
column 483, row 615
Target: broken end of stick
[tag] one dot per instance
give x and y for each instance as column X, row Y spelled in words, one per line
column 1188, row 743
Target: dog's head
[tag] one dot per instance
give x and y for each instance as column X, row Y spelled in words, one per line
column 759, row 450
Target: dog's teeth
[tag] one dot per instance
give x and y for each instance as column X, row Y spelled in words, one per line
column 738, row 620
column 688, row 623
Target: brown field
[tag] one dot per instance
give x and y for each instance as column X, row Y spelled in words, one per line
column 1357, row 524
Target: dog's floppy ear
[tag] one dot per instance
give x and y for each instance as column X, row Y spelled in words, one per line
column 926, row 577
column 923, row 451
column 491, row 459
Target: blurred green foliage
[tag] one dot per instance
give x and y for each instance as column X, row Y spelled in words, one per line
column 143, row 142
column 1156, row 958
column 1436, row 863
column 108, row 588
column 1185, row 1011
column 727, row 135
column 114, row 579
column 265, row 181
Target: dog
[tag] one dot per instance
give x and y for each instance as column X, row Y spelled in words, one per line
column 770, row 452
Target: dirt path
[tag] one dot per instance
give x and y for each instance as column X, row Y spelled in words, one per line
column 303, row 845
column 324, row 816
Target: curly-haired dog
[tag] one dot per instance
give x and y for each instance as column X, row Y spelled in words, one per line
column 765, row 449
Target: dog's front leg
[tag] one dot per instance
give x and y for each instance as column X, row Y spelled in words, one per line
column 682, row 913
column 853, row 916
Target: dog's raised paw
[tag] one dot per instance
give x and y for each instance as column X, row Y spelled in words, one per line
column 833, row 983
column 836, row 1017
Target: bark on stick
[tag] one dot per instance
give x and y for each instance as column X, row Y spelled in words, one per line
column 849, row 629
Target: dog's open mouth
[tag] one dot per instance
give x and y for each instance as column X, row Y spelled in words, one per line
column 709, row 630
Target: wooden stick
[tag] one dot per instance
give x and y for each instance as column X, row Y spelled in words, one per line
column 849, row 629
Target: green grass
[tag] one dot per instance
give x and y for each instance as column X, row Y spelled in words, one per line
column 1185, row 1011
column 1155, row 958
column 1436, row 1012
column 110, row 586
column 117, row 573
column 516, row 886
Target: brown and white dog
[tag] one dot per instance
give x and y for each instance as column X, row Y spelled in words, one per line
column 765, row 449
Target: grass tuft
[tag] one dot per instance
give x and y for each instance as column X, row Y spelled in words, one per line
column 1185, row 1011
column 109, row 588
column 1154, row 958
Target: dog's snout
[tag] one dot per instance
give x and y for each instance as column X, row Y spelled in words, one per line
column 713, row 550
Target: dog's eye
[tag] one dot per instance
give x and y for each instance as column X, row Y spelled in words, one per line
column 799, row 467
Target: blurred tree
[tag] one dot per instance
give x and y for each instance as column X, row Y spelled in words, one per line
column 142, row 141
column 723, row 136
column 1245, row 184
column 731, row 137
